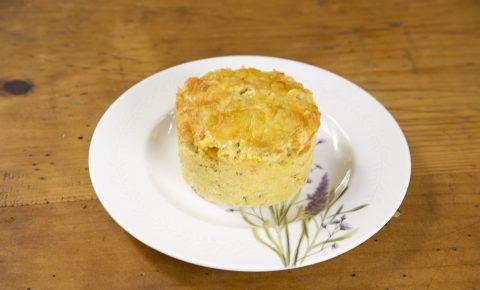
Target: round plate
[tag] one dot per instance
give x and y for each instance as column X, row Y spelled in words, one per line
column 358, row 180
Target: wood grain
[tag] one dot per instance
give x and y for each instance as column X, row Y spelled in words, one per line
column 421, row 59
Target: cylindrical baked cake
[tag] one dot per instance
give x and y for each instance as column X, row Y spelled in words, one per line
column 245, row 137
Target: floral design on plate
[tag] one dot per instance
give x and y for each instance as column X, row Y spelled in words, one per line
column 322, row 226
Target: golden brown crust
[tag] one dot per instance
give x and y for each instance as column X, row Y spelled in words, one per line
column 246, row 114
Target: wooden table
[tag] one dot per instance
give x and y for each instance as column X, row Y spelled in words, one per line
column 63, row 64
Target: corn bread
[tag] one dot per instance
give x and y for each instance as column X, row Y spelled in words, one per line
column 246, row 137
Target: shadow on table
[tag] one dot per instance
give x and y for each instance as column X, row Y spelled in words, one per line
column 182, row 274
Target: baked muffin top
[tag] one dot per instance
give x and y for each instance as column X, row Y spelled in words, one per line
column 246, row 114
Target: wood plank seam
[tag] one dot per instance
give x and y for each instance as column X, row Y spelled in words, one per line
column 39, row 202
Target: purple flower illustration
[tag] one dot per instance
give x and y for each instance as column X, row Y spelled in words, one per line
column 334, row 246
column 318, row 200
column 345, row 226
column 343, row 217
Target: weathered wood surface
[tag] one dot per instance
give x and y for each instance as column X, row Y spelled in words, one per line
column 421, row 59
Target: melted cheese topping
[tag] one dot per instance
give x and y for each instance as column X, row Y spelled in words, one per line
column 246, row 114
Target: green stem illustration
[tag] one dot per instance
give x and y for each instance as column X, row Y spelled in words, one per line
column 320, row 229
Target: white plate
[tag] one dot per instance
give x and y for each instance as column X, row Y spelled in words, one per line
column 134, row 169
